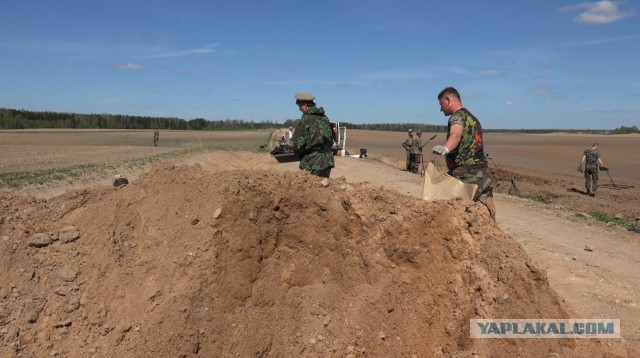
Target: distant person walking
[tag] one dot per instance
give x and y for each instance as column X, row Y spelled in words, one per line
column 406, row 144
column 416, row 152
column 156, row 138
column 312, row 140
column 464, row 148
column 591, row 162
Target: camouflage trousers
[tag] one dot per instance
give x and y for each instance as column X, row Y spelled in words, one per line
column 409, row 162
column 483, row 179
column 591, row 175
column 479, row 176
column 415, row 163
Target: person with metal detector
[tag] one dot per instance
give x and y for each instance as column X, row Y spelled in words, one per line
column 589, row 164
column 464, row 148
column 491, row 158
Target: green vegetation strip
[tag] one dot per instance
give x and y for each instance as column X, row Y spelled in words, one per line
column 606, row 218
column 532, row 198
column 40, row 177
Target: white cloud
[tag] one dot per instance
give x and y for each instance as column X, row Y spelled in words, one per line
column 598, row 13
column 261, row 47
column 127, row 66
column 488, row 73
column 603, row 41
column 197, row 51
column 544, row 77
column 459, row 71
column 542, row 90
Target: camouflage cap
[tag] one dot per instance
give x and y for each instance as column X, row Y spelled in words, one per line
column 419, row 131
column 304, row 97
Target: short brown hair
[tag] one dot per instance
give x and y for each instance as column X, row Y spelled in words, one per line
column 449, row 91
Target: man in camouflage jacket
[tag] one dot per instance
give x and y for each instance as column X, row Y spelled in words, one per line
column 416, row 152
column 406, row 144
column 313, row 138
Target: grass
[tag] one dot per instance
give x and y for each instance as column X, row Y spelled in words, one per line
column 533, row 198
column 606, row 218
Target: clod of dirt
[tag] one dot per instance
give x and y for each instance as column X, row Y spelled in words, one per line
column 291, row 268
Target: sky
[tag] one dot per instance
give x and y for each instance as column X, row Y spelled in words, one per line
column 533, row 64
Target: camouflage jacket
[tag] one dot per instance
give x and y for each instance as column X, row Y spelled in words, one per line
column 591, row 156
column 313, row 141
column 415, row 145
column 406, row 144
column 470, row 150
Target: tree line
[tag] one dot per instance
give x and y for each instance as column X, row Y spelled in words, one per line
column 22, row 119
column 626, row 130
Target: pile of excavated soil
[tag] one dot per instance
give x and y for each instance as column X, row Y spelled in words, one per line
column 188, row 262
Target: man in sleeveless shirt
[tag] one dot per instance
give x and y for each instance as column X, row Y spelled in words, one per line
column 591, row 162
column 464, row 148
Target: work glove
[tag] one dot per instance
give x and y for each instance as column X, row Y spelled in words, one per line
column 580, row 168
column 440, row 149
column 603, row 168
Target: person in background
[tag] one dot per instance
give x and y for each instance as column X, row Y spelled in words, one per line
column 591, row 162
column 406, row 144
column 416, row 152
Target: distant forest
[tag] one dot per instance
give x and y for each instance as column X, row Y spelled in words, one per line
column 22, row 119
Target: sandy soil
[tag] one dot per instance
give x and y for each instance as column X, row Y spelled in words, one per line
column 597, row 283
column 167, row 218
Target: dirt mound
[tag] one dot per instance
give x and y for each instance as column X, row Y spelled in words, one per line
column 187, row 262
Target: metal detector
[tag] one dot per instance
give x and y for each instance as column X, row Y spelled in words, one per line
column 422, row 156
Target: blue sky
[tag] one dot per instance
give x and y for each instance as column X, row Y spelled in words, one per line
column 517, row 64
